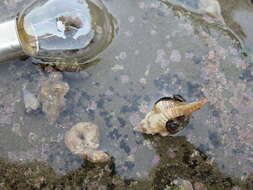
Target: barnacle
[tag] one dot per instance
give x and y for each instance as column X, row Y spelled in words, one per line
column 169, row 115
column 83, row 140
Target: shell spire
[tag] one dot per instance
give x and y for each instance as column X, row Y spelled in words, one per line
column 188, row 108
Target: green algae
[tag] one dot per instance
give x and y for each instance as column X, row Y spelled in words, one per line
column 37, row 175
column 189, row 164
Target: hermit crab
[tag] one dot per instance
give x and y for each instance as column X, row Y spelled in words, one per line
column 83, row 140
column 169, row 115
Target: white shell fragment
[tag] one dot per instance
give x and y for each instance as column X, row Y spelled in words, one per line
column 83, row 140
column 166, row 109
column 30, row 101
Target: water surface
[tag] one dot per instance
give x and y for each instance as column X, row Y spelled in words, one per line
column 159, row 51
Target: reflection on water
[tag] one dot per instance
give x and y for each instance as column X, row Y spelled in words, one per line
column 158, row 52
column 59, row 31
column 237, row 14
column 234, row 14
column 203, row 7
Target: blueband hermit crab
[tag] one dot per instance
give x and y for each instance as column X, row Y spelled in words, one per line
column 169, row 115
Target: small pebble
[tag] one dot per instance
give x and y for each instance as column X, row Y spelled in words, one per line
column 131, row 19
column 122, row 55
column 117, row 67
column 124, row 79
column 187, row 185
column 171, row 153
column 199, row 186
column 92, row 106
column 236, row 188
column 143, row 81
column 17, row 129
column 156, row 160
column 175, row 56
column 153, row 32
column 141, row 5
column 109, row 93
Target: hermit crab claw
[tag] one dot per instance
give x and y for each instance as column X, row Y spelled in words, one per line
column 169, row 115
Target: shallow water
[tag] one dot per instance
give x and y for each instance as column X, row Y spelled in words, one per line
column 159, row 51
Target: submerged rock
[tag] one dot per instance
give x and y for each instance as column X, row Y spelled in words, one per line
column 169, row 115
column 83, row 140
column 182, row 184
column 203, row 7
column 199, row 186
column 51, row 96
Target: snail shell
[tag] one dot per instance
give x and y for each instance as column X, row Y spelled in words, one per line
column 83, row 140
column 165, row 110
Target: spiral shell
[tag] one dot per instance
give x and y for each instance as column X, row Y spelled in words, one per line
column 83, row 140
column 166, row 111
